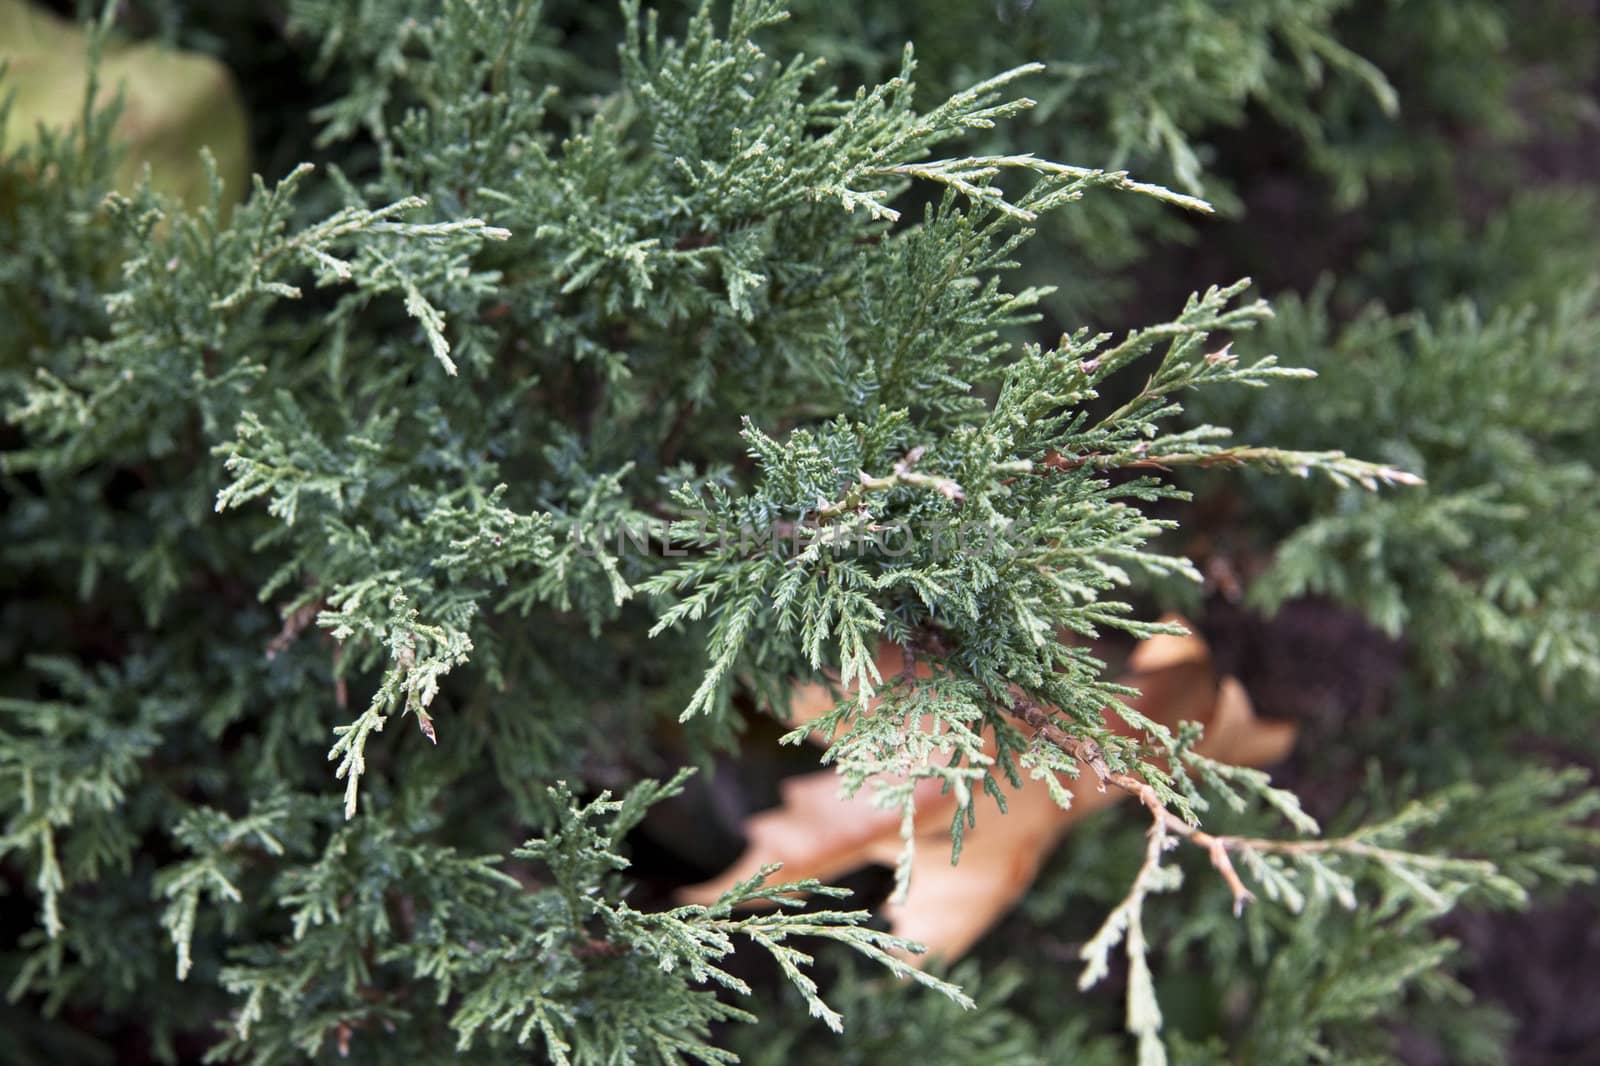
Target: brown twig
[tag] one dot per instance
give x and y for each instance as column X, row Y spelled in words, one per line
column 1089, row 754
column 294, row 623
column 680, row 422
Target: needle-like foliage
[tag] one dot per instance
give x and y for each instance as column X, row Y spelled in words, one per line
column 366, row 529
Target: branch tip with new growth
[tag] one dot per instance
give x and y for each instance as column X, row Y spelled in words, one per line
column 1089, row 754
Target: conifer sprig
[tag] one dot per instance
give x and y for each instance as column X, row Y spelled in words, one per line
column 357, row 441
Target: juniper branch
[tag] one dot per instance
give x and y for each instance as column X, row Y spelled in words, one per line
column 1089, row 754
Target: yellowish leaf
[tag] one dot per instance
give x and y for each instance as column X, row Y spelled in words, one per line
column 819, row 833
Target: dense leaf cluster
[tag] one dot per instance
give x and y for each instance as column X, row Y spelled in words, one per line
column 572, row 404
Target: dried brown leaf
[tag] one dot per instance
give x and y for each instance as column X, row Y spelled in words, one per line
column 819, row 833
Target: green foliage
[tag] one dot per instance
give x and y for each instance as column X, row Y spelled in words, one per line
column 886, row 1024
column 1486, row 396
column 400, row 932
column 1265, row 52
column 575, row 402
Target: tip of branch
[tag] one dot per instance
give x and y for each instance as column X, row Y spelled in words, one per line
column 1400, row 477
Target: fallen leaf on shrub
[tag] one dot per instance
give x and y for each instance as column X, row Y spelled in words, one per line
column 173, row 103
column 818, row 833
